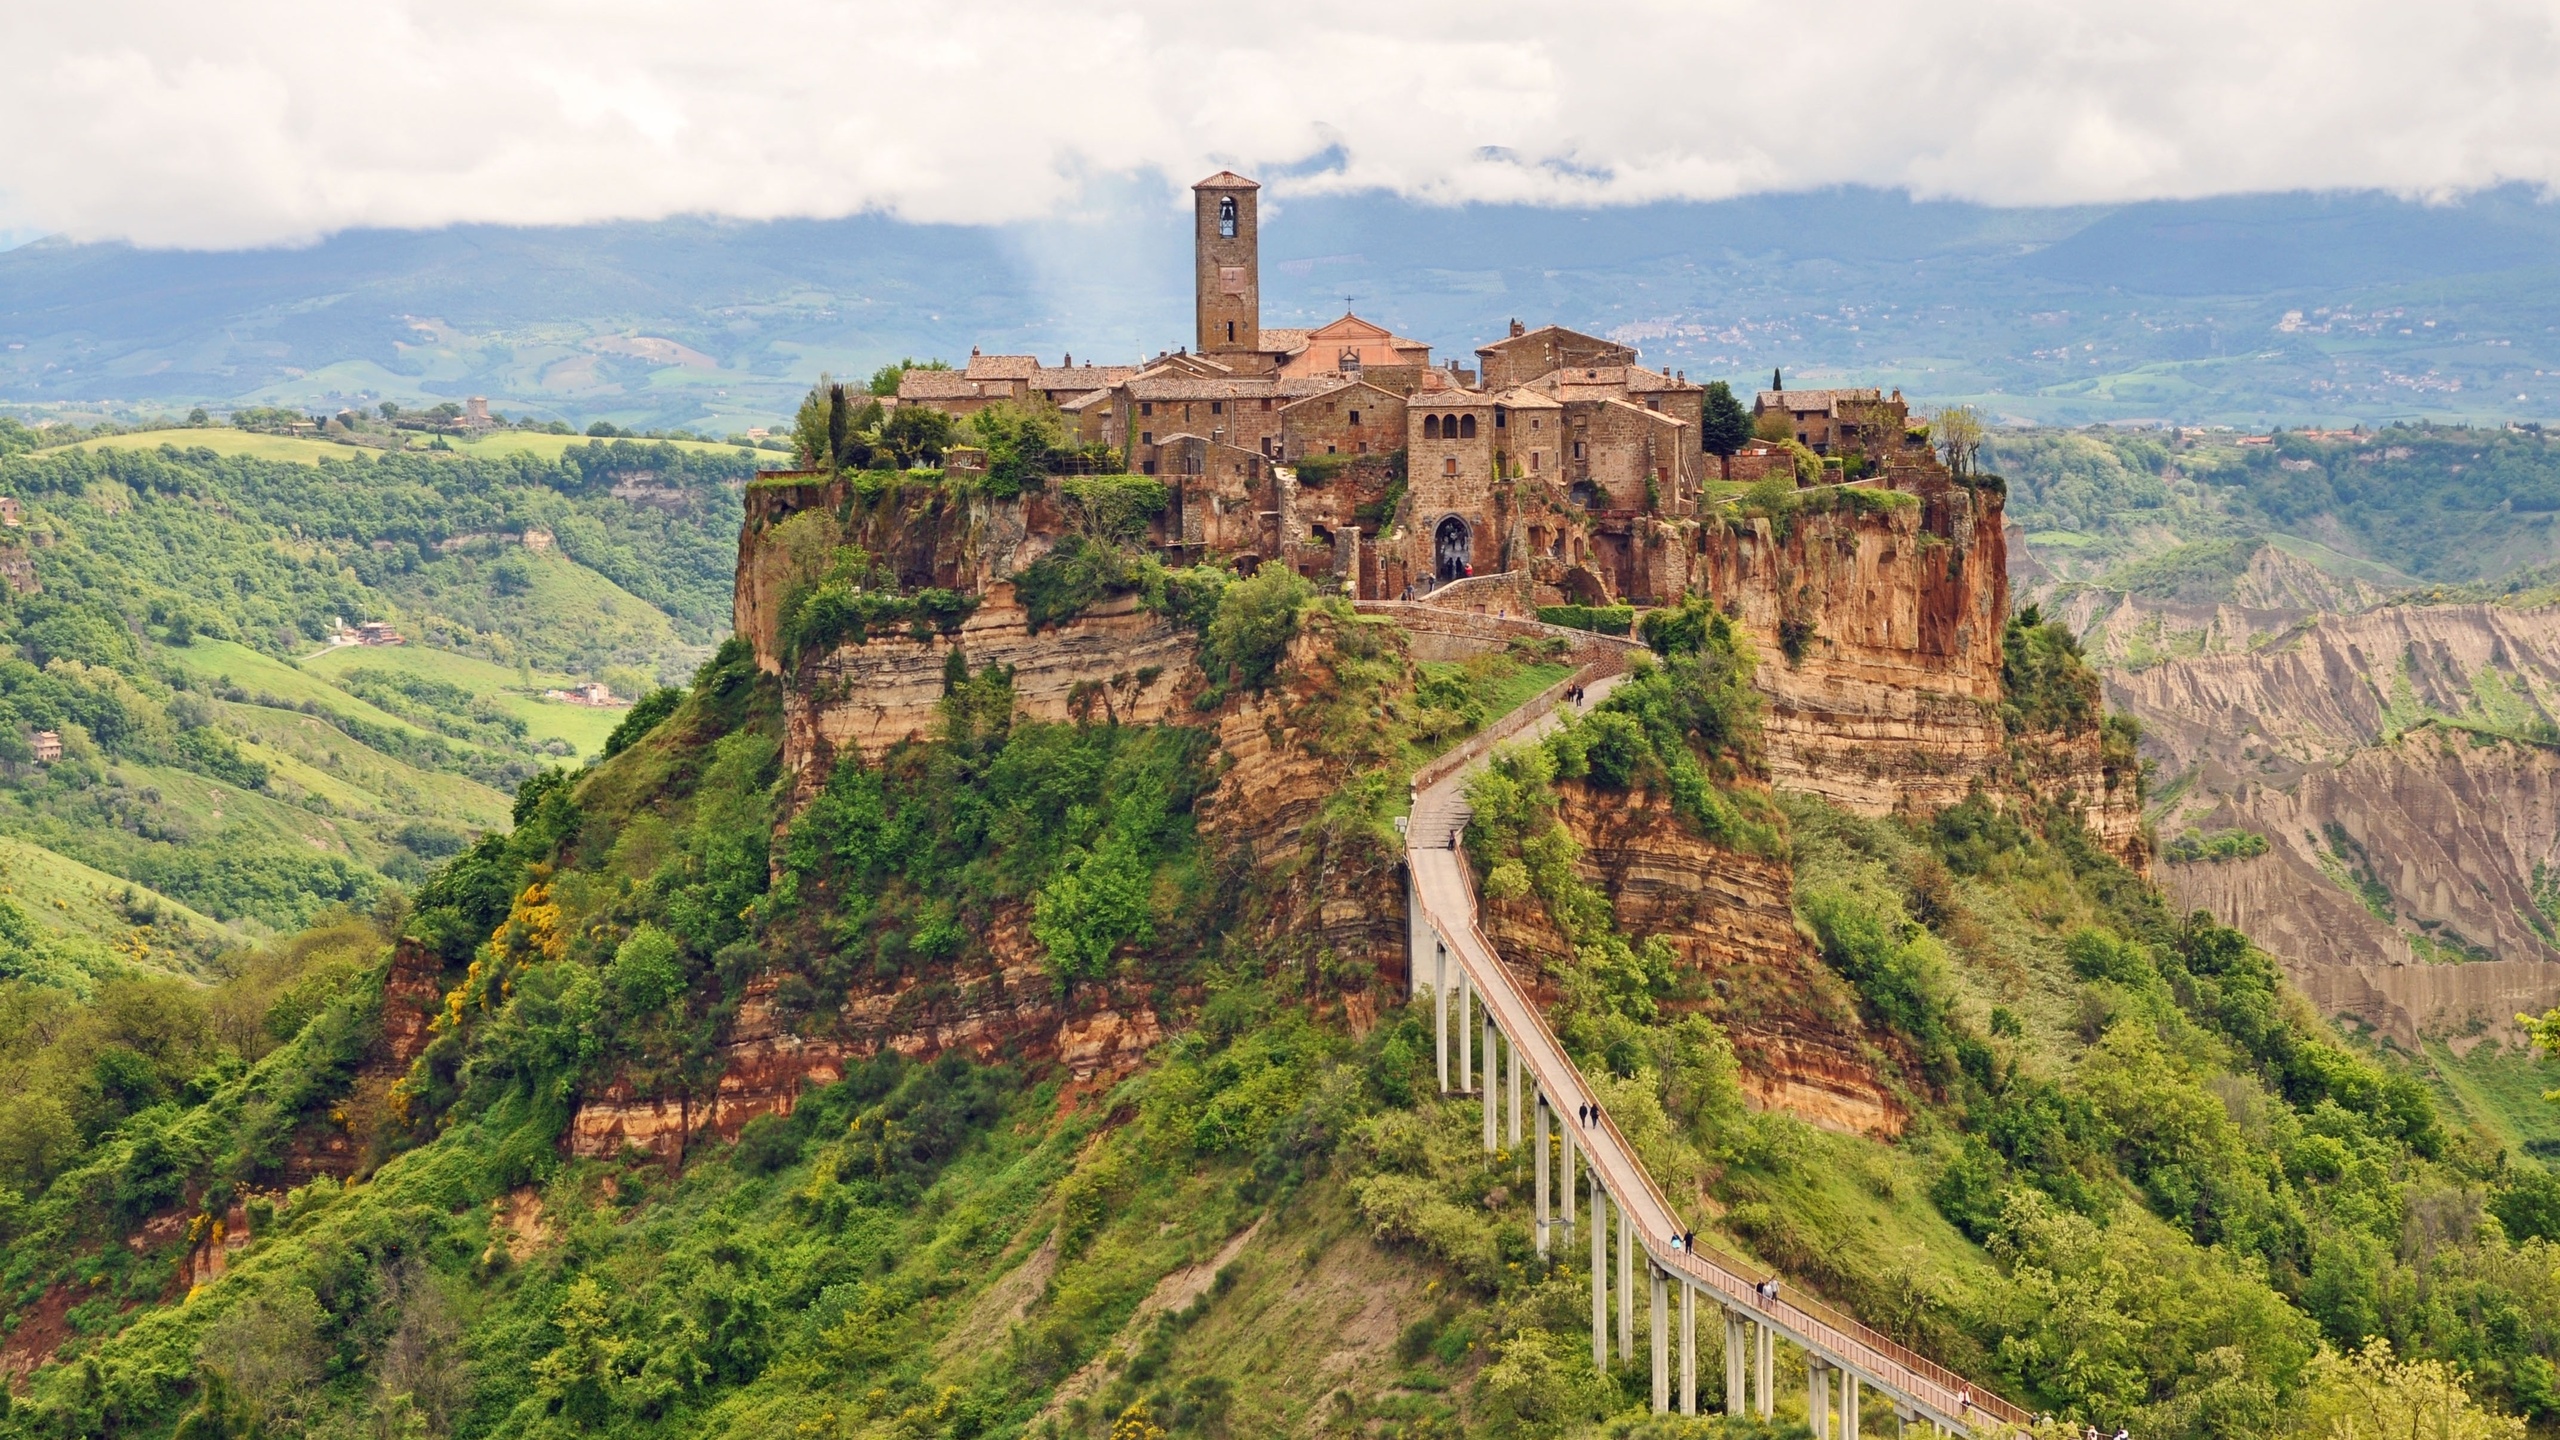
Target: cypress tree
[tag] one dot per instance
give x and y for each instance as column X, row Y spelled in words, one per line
column 1723, row 427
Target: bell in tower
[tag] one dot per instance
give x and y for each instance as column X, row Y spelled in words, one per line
column 1229, row 279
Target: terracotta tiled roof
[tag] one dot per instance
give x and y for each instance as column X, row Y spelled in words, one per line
column 1541, row 336
column 1079, row 377
column 1177, row 386
column 1384, row 396
column 1654, row 382
column 1087, row 401
column 947, row 385
column 1826, row 401
column 1521, row 397
column 1001, row 367
column 1284, row 341
column 1227, row 180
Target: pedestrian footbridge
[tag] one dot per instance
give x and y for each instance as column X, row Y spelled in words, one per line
column 1493, row 1041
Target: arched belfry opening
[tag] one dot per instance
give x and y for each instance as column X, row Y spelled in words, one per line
column 1226, row 217
column 1451, row 550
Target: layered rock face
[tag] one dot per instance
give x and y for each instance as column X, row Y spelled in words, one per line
column 1115, row 662
column 2400, row 883
column 2345, row 682
column 1794, row 1024
column 1892, row 699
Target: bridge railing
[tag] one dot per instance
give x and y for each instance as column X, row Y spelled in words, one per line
column 1846, row 1327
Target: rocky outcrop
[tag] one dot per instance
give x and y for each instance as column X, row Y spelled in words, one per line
column 2400, row 883
column 2347, row 681
column 1117, row 662
column 927, row 535
column 999, row 1007
column 1879, row 638
column 2451, row 828
column 1728, row 918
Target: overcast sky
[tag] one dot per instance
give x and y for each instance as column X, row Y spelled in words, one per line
column 233, row 122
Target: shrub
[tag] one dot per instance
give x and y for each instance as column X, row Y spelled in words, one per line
column 1599, row 619
column 1255, row 620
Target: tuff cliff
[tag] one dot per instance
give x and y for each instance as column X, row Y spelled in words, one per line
column 1878, row 623
column 1878, row 615
column 1740, row 957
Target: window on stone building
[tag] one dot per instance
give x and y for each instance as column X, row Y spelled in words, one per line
column 1577, row 449
column 1364, row 447
column 1449, row 466
column 1355, row 417
column 1217, row 407
column 1430, row 427
column 1328, row 450
column 1146, row 437
column 1501, row 419
column 1227, row 217
column 1266, row 403
column 1231, row 332
column 1537, row 461
column 1147, row 467
column 1146, row 407
column 1466, row 427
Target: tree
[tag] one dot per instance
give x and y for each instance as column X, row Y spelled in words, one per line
column 390, row 409
column 1723, row 425
column 2371, row 1396
column 914, row 435
column 1959, row 433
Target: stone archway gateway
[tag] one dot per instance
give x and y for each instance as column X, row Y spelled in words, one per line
column 1450, row 551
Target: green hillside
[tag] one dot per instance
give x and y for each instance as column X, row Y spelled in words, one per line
column 2138, row 1186
column 228, row 763
column 2176, row 515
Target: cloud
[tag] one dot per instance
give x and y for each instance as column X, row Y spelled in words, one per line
column 224, row 123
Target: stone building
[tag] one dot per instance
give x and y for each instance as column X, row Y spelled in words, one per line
column 1344, row 451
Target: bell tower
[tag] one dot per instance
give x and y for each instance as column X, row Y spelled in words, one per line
column 1227, row 245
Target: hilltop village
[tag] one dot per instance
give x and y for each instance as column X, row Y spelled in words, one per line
column 1557, row 460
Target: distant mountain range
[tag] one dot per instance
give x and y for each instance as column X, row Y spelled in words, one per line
column 2287, row 309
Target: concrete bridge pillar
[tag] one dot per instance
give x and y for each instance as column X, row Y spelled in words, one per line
column 1817, row 1398
column 1626, row 1285
column 1542, row 1175
column 1569, row 1134
column 1466, row 1033
column 1848, row 1405
column 1511, row 1068
column 1764, row 1370
column 1688, row 1348
column 1736, row 1390
column 1599, row 1275
column 1440, row 1009
column 1659, row 1338
column 1492, row 1084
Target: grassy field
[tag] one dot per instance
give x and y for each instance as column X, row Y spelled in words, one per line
column 223, row 440
column 2500, row 1091
column 63, row 895
column 264, row 674
column 545, row 719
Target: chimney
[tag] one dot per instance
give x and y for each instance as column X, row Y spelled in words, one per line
column 1518, row 329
